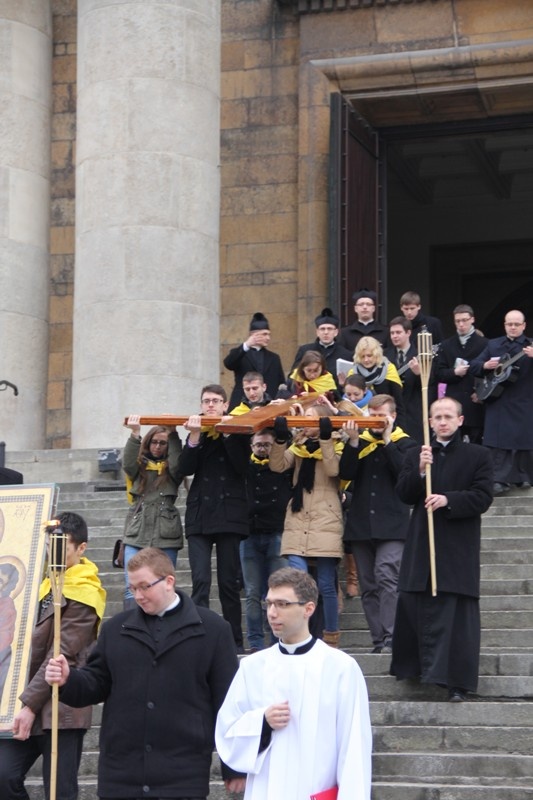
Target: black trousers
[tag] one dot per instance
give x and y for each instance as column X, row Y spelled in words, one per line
column 228, row 572
column 17, row 758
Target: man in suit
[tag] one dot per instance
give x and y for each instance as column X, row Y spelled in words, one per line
column 253, row 356
column 403, row 353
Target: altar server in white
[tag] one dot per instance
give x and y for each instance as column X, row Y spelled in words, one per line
column 296, row 717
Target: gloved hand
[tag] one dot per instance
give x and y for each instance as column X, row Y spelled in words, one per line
column 281, row 429
column 325, row 427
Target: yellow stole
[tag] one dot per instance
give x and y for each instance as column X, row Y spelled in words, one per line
column 324, row 383
column 82, row 585
column 374, row 442
column 153, row 466
column 260, row 461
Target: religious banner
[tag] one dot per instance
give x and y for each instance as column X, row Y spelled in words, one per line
column 24, row 511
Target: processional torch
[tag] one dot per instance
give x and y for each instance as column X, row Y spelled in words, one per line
column 57, row 565
column 425, row 359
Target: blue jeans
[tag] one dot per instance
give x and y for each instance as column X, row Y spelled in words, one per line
column 130, row 551
column 259, row 558
column 326, row 572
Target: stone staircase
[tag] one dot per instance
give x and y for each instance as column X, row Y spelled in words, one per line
column 424, row 747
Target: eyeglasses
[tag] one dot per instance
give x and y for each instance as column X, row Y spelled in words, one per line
column 280, row 605
column 514, row 324
column 144, row 586
column 159, row 442
column 262, row 445
column 212, row 401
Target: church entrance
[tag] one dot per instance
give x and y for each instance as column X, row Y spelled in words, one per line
column 442, row 209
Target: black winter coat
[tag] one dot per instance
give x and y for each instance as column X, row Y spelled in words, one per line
column 461, row 388
column 375, row 512
column 331, row 354
column 217, row 501
column 508, row 417
column 268, row 497
column 241, row 361
column 350, row 335
column 463, row 472
column 161, row 698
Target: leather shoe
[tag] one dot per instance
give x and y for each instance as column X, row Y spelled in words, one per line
column 456, row 695
column 500, row 488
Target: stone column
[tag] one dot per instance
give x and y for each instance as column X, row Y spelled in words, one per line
column 146, row 294
column 25, row 103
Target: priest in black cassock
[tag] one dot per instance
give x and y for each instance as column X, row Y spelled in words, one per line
column 437, row 639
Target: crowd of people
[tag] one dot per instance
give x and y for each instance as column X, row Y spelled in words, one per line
column 283, row 509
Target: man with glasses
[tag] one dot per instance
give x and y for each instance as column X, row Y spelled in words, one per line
column 268, row 496
column 296, row 716
column 509, row 411
column 162, row 671
column 365, row 323
column 452, row 368
column 217, row 508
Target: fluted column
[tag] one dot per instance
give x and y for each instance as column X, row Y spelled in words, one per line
column 25, row 108
column 146, row 293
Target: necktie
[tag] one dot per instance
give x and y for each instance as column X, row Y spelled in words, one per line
column 401, row 358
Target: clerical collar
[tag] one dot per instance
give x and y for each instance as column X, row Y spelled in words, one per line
column 297, row 649
column 326, row 346
column 171, row 606
column 365, row 324
column 443, row 443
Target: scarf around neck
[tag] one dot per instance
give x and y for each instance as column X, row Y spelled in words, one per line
column 81, row 584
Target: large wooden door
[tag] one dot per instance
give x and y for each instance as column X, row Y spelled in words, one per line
column 356, row 207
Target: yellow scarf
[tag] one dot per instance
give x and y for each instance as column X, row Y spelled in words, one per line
column 255, row 460
column 302, row 452
column 154, row 466
column 242, row 408
column 210, row 430
column 82, row 584
column 396, row 434
column 324, row 383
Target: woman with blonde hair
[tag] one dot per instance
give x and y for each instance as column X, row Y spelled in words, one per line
column 380, row 374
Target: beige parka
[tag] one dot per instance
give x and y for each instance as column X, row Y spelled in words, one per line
column 316, row 530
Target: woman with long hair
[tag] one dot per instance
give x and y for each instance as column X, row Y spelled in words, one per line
column 311, row 375
column 313, row 522
column 152, row 480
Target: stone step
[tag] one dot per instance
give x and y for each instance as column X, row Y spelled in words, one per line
column 512, row 556
column 395, row 790
column 455, row 768
column 381, row 687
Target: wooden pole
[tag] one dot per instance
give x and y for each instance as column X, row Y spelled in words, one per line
column 57, row 555
column 425, row 359
column 243, row 424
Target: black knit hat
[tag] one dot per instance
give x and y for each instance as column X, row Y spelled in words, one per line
column 327, row 317
column 259, row 322
column 364, row 293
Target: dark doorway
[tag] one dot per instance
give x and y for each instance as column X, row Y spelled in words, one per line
column 460, row 206
column 449, row 215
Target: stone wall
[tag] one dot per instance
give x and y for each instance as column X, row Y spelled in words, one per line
column 259, row 173
column 62, row 223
